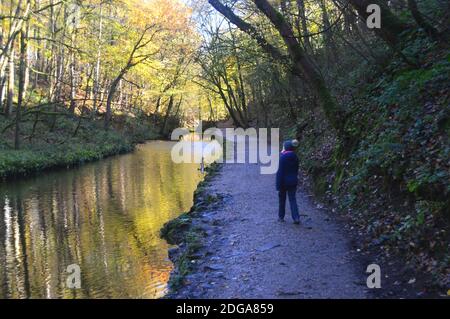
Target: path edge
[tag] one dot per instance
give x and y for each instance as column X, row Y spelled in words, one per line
column 186, row 235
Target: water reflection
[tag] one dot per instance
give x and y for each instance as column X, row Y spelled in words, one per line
column 103, row 216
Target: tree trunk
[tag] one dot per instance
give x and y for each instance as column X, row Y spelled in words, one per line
column 73, row 63
column 10, row 95
column 72, row 86
column 303, row 63
column 2, row 93
column 2, row 69
column 421, row 22
column 330, row 47
column 97, row 64
column 247, row 28
column 39, row 61
column 166, row 117
column 304, row 26
column 112, row 91
column 239, row 81
column 21, row 94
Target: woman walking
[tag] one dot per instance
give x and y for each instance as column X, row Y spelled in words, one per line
column 287, row 181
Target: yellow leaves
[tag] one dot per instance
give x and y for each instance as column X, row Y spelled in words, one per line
column 169, row 15
column 170, row 40
column 173, row 14
column 169, row 22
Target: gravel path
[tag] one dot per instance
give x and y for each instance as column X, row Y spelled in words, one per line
column 249, row 254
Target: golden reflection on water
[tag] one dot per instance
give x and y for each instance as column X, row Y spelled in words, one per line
column 103, row 216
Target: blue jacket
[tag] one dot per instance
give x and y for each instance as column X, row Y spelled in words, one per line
column 287, row 174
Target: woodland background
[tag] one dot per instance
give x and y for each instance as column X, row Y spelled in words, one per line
column 80, row 80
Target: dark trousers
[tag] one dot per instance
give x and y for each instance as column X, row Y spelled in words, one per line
column 290, row 192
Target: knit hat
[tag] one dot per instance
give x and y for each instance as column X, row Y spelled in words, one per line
column 290, row 145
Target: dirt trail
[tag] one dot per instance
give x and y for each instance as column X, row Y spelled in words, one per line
column 249, row 254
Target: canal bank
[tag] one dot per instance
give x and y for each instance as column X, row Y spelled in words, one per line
column 71, row 141
column 186, row 234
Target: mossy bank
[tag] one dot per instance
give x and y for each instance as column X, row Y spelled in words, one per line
column 67, row 141
column 185, row 231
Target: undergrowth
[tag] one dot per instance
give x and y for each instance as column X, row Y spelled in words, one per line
column 391, row 175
